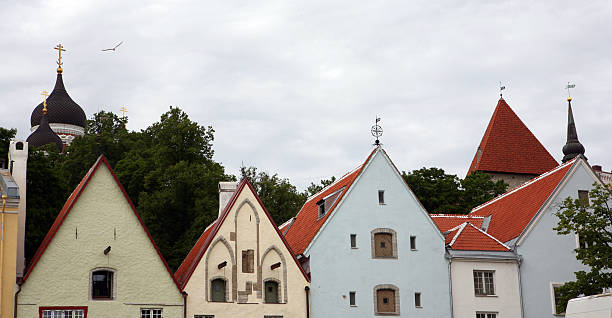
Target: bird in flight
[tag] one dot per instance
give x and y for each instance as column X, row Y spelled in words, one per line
column 113, row 49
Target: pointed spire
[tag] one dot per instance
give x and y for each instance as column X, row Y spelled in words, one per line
column 573, row 147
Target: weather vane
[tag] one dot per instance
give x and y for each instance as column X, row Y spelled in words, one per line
column 60, row 49
column 501, row 88
column 569, row 97
column 376, row 131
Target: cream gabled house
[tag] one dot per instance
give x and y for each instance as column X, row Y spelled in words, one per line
column 241, row 265
column 98, row 260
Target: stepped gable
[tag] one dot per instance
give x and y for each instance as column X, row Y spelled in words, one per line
column 62, row 109
column 74, row 197
column 512, row 211
column 45, row 135
column 307, row 222
column 446, row 222
column 509, row 146
column 467, row 237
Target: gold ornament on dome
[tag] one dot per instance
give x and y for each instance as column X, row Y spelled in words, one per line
column 60, row 49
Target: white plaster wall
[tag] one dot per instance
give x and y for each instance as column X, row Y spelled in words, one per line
column 246, row 238
column 506, row 301
column 548, row 257
column 62, row 275
column 337, row 269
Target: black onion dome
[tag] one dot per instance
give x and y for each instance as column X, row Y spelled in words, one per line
column 62, row 109
column 44, row 135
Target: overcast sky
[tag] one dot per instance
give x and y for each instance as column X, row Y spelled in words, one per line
column 293, row 87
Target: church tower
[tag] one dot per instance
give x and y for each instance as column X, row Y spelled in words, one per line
column 573, row 147
column 509, row 151
column 65, row 117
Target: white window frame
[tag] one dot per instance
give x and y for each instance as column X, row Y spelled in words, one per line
column 483, row 271
column 553, row 285
column 60, row 313
column 151, row 312
column 488, row 314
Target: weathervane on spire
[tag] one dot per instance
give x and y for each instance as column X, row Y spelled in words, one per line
column 60, row 49
column 569, row 97
column 45, row 94
column 376, row 131
column 501, row 88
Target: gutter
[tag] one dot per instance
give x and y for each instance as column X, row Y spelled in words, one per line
column 307, row 290
column 518, row 269
column 450, row 283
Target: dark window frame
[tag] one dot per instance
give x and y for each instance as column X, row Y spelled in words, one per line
column 102, row 284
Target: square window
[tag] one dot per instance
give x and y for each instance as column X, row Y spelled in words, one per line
column 352, row 298
column 382, row 244
column 353, row 240
column 484, row 284
column 381, row 196
column 413, row 243
column 417, row 300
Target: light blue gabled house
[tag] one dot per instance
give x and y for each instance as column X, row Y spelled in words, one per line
column 370, row 247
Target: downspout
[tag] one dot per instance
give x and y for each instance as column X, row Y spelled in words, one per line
column 307, row 289
column 450, row 283
column 518, row 269
column 19, row 283
column 184, row 293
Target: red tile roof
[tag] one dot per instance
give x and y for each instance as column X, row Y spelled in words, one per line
column 184, row 272
column 307, row 222
column 512, row 211
column 509, row 146
column 68, row 207
column 467, row 237
column 445, row 222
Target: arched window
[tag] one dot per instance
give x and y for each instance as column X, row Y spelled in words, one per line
column 217, row 290
column 386, row 300
column 384, row 243
column 19, row 146
column 271, row 291
column 102, row 284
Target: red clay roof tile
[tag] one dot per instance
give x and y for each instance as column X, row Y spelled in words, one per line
column 467, row 237
column 509, row 146
column 445, row 222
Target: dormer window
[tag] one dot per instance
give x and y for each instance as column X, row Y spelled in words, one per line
column 321, row 205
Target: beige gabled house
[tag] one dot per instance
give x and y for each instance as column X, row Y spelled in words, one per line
column 98, row 260
column 241, row 266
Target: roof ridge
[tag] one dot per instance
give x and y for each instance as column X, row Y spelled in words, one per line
column 333, row 183
column 524, row 185
column 463, row 216
column 489, row 235
column 462, row 226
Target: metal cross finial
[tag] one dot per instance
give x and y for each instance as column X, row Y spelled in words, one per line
column 123, row 111
column 45, row 94
column 568, row 89
column 60, row 49
column 501, row 88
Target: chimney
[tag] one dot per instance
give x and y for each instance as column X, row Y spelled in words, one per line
column 597, row 168
column 226, row 190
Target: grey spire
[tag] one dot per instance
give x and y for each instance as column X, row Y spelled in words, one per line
column 573, row 147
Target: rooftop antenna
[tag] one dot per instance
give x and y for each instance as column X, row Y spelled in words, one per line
column 376, row 131
column 501, row 88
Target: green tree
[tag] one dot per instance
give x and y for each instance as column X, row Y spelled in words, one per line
column 438, row 192
column 279, row 196
column 315, row 188
column 446, row 193
column 5, row 138
column 45, row 192
column 478, row 188
column 591, row 220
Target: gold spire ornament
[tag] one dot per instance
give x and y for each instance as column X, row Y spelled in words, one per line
column 45, row 94
column 123, row 111
column 60, row 49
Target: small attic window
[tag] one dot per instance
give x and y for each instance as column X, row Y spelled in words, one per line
column 19, row 146
column 321, row 205
column 381, row 196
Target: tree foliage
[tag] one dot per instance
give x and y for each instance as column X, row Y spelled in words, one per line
column 5, row 138
column 445, row 193
column 315, row 188
column 591, row 220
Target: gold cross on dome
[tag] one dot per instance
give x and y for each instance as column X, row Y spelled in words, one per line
column 60, row 49
column 45, row 94
column 123, row 111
